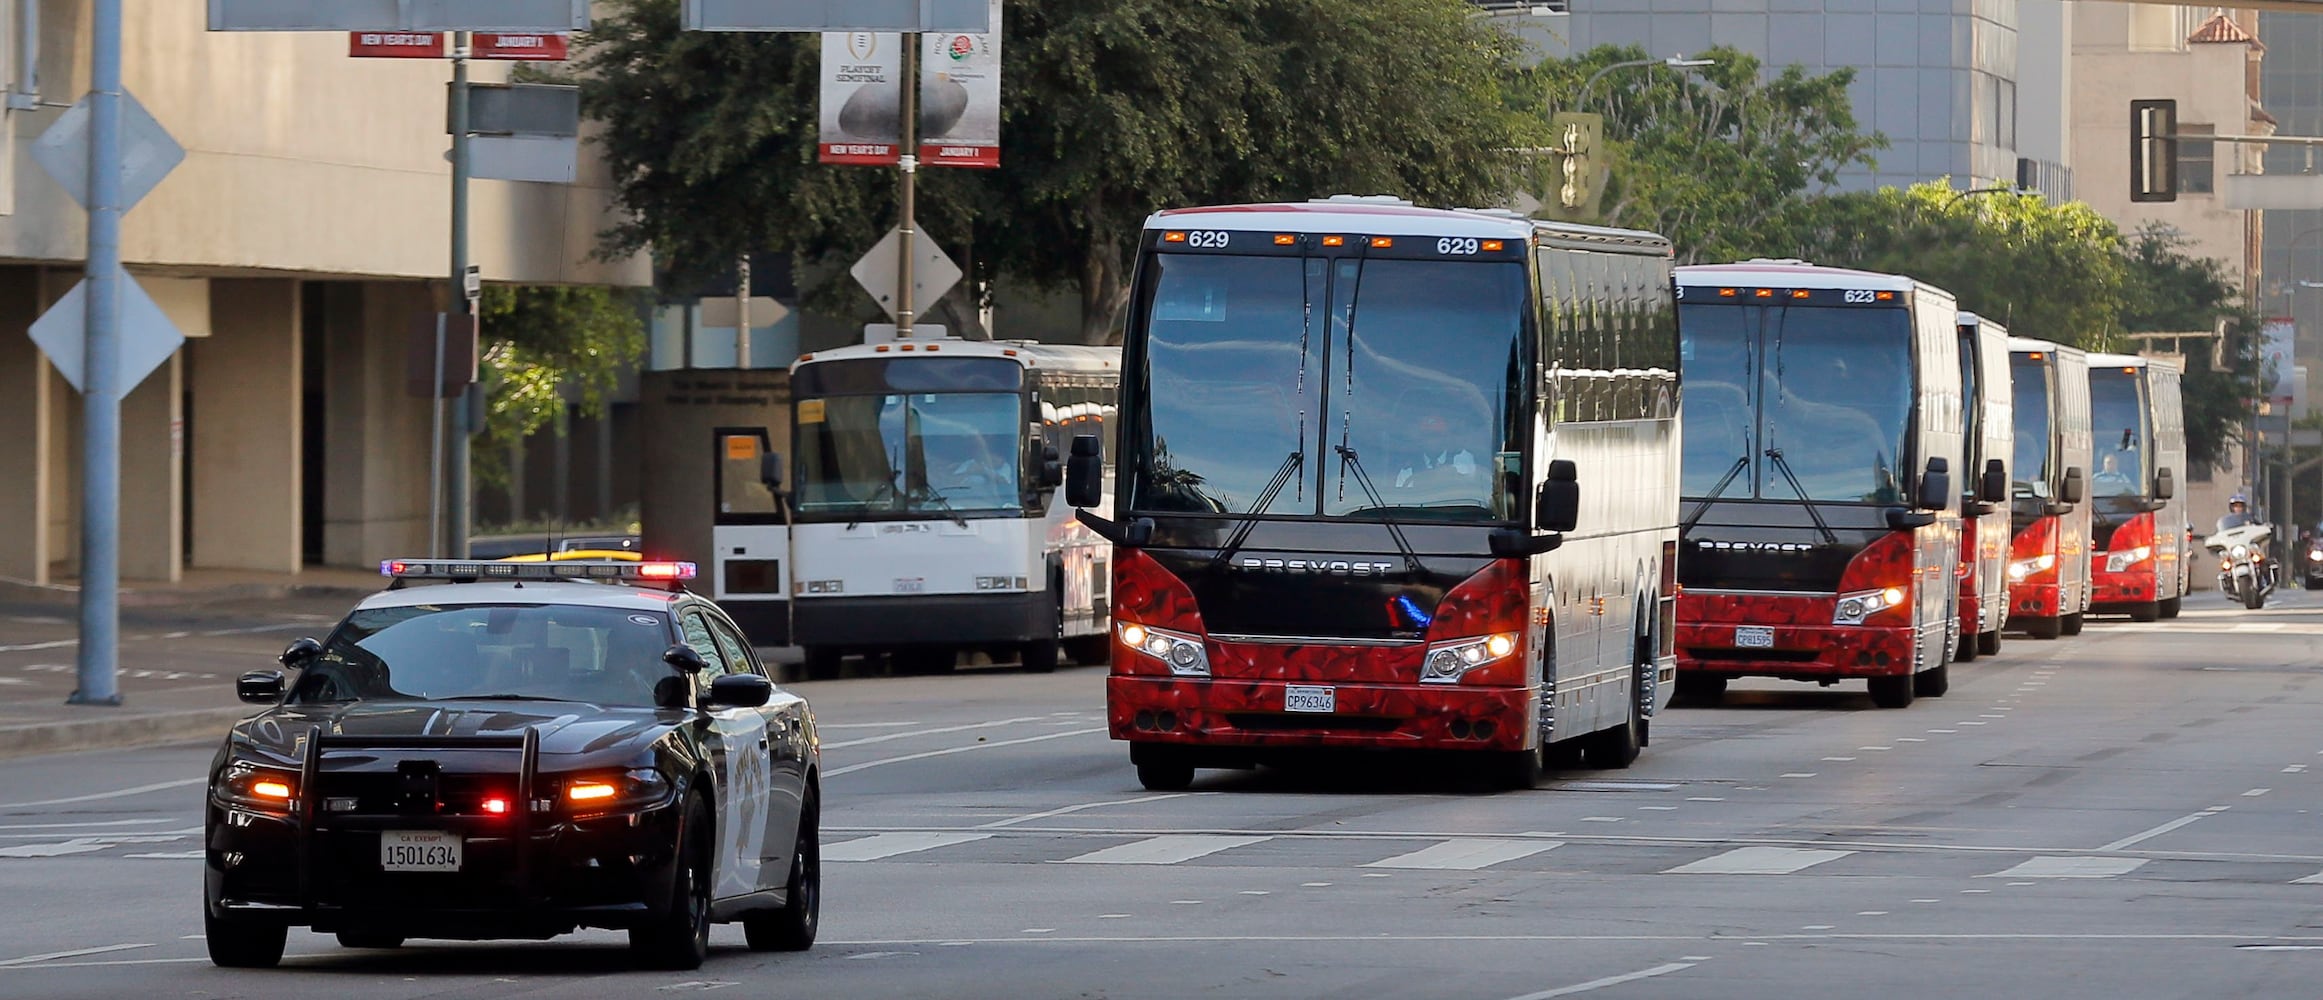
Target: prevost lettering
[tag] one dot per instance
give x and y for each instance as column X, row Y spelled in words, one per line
column 1319, row 567
column 1754, row 546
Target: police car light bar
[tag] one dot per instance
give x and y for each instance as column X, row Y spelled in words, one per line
column 469, row 569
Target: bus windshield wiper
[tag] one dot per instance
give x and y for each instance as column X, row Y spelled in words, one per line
column 886, row 489
column 930, row 493
column 1349, row 462
column 1291, row 464
column 1695, row 517
column 1775, row 455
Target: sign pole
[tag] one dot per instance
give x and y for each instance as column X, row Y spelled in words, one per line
column 101, row 371
column 909, row 163
column 435, row 457
column 742, row 314
column 456, row 506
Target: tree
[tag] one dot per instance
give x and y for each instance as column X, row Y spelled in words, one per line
column 547, row 349
column 1112, row 109
column 1709, row 156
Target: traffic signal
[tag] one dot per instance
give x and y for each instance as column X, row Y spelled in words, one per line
column 1578, row 183
column 2153, row 150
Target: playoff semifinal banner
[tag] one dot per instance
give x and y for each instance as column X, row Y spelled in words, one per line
column 862, row 108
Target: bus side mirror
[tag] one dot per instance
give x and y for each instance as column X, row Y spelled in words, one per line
column 2070, row 491
column 770, row 471
column 1085, row 472
column 2165, row 484
column 1558, row 505
column 1052, row 469
column 1935, row 485
column 1994, row 488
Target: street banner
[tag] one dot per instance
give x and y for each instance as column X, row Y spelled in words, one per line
column 524, row 48
column 862, row 119
column 396, row 44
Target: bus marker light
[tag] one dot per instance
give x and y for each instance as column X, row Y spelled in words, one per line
column 1285, row 239
column 1884, row 296
column 1334, row 241
column 1763, row 293
column 1382, row 242
column 1728, row 293
column 1493, row 246
column 1800, row 293
column 1173, row 237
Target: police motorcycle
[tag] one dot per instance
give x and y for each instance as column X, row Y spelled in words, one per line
column 2244, row 572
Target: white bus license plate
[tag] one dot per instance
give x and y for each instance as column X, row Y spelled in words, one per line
column 1754, row 637
column 419, row 851
column 1300, row 698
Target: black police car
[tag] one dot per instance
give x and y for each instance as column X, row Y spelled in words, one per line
column 507, row 750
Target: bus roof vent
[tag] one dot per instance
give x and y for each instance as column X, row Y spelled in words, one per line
column 1780, row 260
column 1361, row 199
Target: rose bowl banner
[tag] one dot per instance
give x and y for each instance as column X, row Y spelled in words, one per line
column 862, row 115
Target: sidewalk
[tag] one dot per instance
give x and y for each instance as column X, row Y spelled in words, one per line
column 209, row 586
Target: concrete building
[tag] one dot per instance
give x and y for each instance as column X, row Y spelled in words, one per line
column 1961, row 88
column 295, row 247
column 2292, row 262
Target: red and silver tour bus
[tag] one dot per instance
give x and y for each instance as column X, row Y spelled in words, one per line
column 2048, row 568
column 1821, row 527
column 1988, row 438
column 1390, row 478
column 2138, row 562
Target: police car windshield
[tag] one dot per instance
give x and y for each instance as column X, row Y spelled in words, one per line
column 602, row 656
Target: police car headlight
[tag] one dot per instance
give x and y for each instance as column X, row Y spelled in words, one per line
column 247, row 784
column 1854, row 608
column 1447, row 662
column 2022, row 568
column 632, row 789
column 1183, row 653
column 2123, row 559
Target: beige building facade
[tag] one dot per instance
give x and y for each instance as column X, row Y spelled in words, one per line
column 297, row 246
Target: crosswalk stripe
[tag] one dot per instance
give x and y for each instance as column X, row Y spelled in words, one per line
column 1467, row 855
column 2055, row 867
column 1168, row 850
column 1759, row 861
column 888, row 845
column 2315, row 879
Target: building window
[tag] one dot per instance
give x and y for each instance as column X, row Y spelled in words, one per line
column 2197, row 159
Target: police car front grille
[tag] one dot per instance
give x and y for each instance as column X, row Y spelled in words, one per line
column 380, row 794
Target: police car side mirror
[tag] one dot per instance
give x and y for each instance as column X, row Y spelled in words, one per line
column 260, row 687
column 1085, row 472
column 740, row 691
column 301, row 651
column 685, row 658
column 1558, row 505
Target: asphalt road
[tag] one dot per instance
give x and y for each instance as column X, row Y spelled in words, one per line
column 2128, row 814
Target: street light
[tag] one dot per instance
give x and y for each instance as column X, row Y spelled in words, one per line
column 1581, row 100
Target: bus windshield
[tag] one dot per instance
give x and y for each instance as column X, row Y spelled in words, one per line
column 2118, row 415
column 2029, row 380
column 1354, row 388
column 920, row 454
column 1797, row 403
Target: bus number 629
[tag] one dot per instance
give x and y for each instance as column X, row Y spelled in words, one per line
column 1456, row 246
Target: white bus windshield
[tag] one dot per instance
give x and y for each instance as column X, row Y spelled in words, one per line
column 1369, row 387
column 931, row 454
column 1828, row 389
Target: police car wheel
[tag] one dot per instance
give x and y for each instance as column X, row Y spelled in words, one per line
column 792, row 928
column 243, row 944
column 679, row 938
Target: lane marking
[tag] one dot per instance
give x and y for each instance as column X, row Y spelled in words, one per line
column 1839, row 759
column 2315, row 879
column 888, row 845
column 1431, row 939
column 1800, row 774
column 2055, row 867
column 1454, row 855
column 53, row 850
column 2256, row 792
column 80, row 826
column 75, row 953
column 159, row 786
column 1066, row 810
column 1598, row 984
column 2139, row 838
column 168, row 856
column 1758, row 861
column 868, row 740
column 852, row 768
column 865, row 725
column 1167, row 850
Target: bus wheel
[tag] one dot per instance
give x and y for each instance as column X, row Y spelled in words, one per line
column 1988, row 643
column 2072, row 624
column 1706, row 690
column 1932, row 683
column 822, row 663
column 1521, row 770
column 2145, row 612
column 2043, row 628
column 1964, row 649
column 2168, row 608
column 1161, row 769
column 1617, row 748
column 1892, row 692
column 1089, row 650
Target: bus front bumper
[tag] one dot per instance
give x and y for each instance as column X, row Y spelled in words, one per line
column 855, row 623
column 1797, row 652
column 1244, row 713
column 2116, row 593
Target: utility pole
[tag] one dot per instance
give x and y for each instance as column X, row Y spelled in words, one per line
column 909, row 163
column 463, row 307
column 99, row 657
column 742, row 314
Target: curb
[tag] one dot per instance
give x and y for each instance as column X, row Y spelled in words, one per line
column 130, row 597
column 126, row 731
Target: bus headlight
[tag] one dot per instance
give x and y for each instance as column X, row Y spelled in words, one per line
column 1854, row 608
column 1183, row 653
column 1447, row 662
column 2023, row 568
column 2123, row 559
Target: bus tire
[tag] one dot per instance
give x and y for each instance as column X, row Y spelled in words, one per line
column 1932, row 683
column 1706, row 690
column 1988, row 643
column 822, row 663
column 2149, row 611
column 1520, row 770
column 1161, row 769
column 1616, row 748
column 1964, row 649
column 2044, row 628
column 2168, row 607
column 2071, row 624
column 1892, row 692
